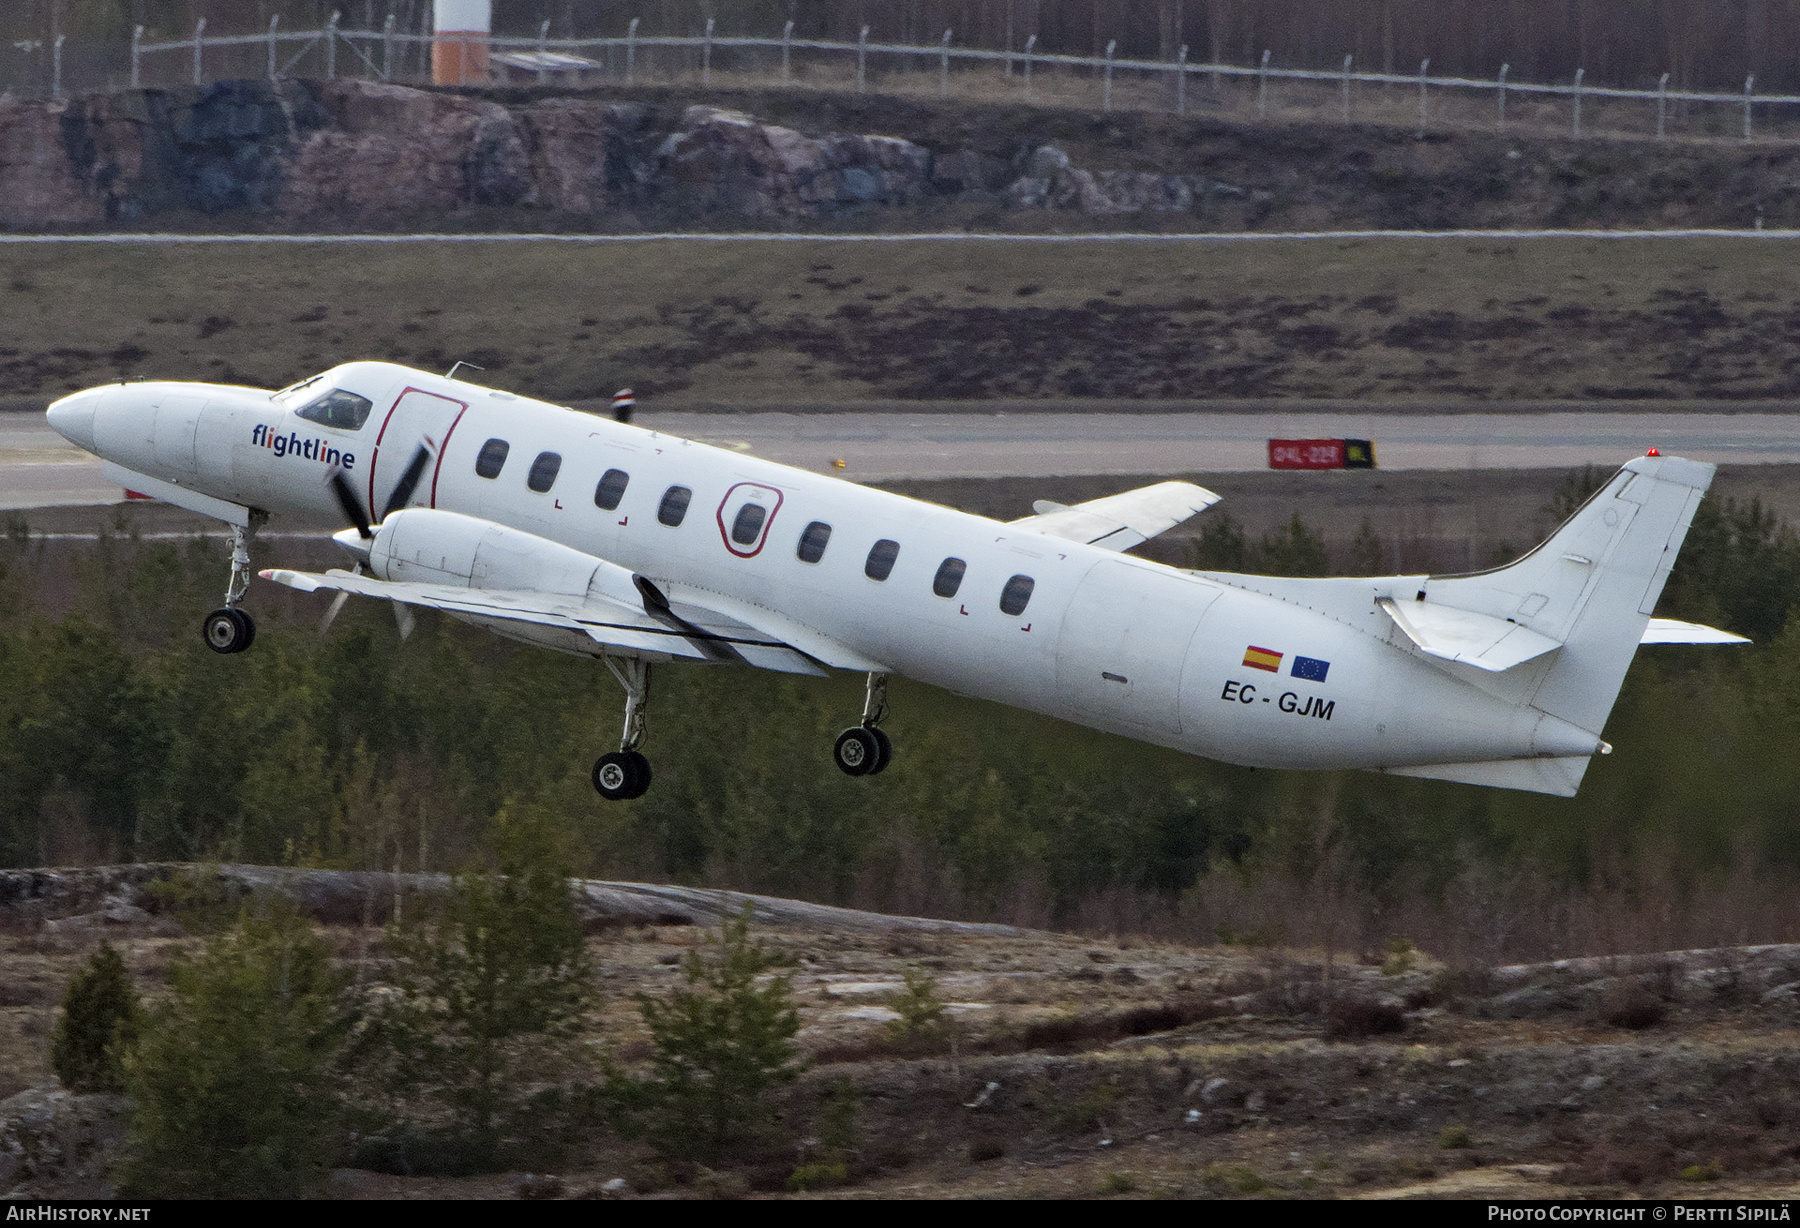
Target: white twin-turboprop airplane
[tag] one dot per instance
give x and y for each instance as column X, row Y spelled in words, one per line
column 593, row 536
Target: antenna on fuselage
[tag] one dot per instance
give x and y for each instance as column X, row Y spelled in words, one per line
column 460, row 364
column 623, row 403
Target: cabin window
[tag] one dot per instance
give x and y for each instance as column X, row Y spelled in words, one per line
column 812, row 541
column 543, row 471
column 674, row 505
column 1017, row 593
column 949, row 577
column 339, row 408
column 748, row 525
column 611, row 489
column 491, row 458
column 880, row 564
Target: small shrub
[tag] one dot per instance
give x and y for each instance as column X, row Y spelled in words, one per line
column 1704, row 1172
column 1231, row 1178
column 840, row 1137
column 1354, row 1018
column 1118, row 1183
column 985, row 1147
column 1084, row 1113
column 921, row 1010
column 719, row 1046
column 100, row 1021
column 233, row 1074
column 197, row 899
column 818, row 1176
column 1401, row 955
column 1453, row 1138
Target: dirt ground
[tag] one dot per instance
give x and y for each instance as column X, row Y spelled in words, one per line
column 1083, row 1067
column 1436, row 322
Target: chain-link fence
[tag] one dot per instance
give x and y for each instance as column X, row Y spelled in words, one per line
column 1262, row 91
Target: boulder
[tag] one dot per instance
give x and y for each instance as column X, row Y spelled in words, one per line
column 54, row 1142
column 44, row 187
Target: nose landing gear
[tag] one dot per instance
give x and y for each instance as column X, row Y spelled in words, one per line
column 863, row 749
column 624, row 774
column 229, row 629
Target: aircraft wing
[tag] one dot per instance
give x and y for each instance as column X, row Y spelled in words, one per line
column 1119, row 522
column 660, row 629
column 1674, row 631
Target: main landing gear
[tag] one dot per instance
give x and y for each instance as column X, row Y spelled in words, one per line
column 230, row 629
column 624, row 774
column 862, row 749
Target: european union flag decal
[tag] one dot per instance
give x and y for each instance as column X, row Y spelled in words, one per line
column 1310, row 668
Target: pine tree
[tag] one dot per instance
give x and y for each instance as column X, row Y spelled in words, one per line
column 99, row 1021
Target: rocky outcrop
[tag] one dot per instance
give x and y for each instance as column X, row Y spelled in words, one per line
column 369, row 154
column 55, row 1143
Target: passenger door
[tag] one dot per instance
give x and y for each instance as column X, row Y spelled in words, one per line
column 416, row 418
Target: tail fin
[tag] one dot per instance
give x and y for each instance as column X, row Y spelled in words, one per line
column 1591, row 588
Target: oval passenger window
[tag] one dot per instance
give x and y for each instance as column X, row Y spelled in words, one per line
column 1016, row 595
column 812, row 542
column 611, row 489
column 492, row 458
column 749, row 523
column 674, row 506
column 949, row 577
column 543, row 471
column 880, row 564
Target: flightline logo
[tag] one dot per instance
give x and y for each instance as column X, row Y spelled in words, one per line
column 291, row 444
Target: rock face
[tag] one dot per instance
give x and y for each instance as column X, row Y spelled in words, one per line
column 54, row 1143
column 364, row 153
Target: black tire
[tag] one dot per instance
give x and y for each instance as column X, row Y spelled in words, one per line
column 886, row 755
column 621, row 775
column 857, row 751
column 228, row 630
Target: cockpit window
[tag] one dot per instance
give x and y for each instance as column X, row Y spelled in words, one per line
column 339, row 408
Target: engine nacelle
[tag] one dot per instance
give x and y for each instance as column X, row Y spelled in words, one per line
column 428, row 546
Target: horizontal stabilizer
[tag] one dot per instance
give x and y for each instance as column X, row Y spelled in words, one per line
column 1119, row 522
column 1481, row 640
column 1674, row 631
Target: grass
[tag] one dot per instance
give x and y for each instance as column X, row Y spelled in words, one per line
column 1395, row 321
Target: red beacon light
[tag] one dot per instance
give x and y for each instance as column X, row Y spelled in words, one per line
column 1654, row 452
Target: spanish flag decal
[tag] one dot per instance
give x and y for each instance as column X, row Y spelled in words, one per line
column 1262, row 658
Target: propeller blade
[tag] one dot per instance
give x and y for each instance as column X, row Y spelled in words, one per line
column 403, row 617
column 409, row 481
column 337, row 604
column 347, row 500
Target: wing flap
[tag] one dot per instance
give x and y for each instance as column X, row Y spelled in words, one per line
column 1449, row 634
column 1119, row 522
column 1674, row 631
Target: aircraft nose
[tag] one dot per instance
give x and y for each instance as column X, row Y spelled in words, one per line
column 73, row 418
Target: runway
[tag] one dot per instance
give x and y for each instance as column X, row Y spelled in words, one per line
column 39, row 469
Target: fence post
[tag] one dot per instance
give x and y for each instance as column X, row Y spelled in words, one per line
column 331, row 48
column 387, row 49
column 137, row 37
column 1578, row 75
column 631, row 52
column 1009, row 40
column 273, row 22
column 1030, row 42
column 1424, row 68
column 1749, row 83
column 944, row 67
column 1262, row 87
column 1106, row 90
column 199, row 31
column 862, row 58
column 1662, row 104
column 1501, row 125
column 1181, row 81
column 1347, row 61
column 706, row 55
column 56, row 72
column 787, row 38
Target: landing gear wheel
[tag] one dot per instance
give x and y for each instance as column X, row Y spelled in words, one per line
column 887, row 752
column 621, row 775
column 228, row 630
column 858, row 751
